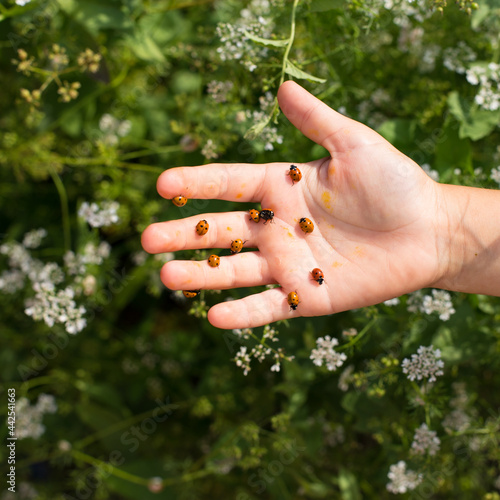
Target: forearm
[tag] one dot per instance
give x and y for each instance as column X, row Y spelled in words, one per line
column 470, row 233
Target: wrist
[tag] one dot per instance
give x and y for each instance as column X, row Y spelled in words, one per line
column 469, row 240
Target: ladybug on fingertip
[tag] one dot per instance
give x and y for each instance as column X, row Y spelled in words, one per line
column 237, row 246
column 266, row 214
column 202, row 227
column 179, row 201
column 318, row 276
column 254, row 215
column 293, row 300
column 190, row 294
column 295, row 174
column 214, row 261
column 306, row 225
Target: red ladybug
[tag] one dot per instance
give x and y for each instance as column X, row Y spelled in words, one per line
column 214, row 261
column 202, row 227
column 295, row 174
column 306, row 225
column 254, row 215
column 179, row 201
column 318, row 275
column 190, row 294
column 293, row 300
column 237, row 246
column 267, row 215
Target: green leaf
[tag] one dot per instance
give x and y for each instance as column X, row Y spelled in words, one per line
column 399, row 132
column 292, row 70
column 451, row 151
column 324, row 5
column 475, row 123
column 95, row 16
column 266, row 41
column 254, row 131
column 144, row 47
column 348, row 485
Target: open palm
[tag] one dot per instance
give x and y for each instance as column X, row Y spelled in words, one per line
column 374, row 212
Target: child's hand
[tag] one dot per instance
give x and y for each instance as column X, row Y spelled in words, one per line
column 374, row 211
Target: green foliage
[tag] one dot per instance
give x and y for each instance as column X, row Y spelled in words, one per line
column 97, row 100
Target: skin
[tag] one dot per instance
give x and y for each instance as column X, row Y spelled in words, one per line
column 382, row 226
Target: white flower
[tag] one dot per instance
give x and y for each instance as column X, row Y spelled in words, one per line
column 392, row 302
column 22, row 3
column 439, row 301
column 345, row 378
column 219, row 90
column 113, row 129
column 242, row 359
column 53, row 307
column 402, row 480
column 11, row 281
column 99, row 215
column 29, row 418
column 495, row 174
column 325, row 353
column 32, row 239
column 350, row 332
column 424, row 365
column 425, row 441
column 433, row 174
column 209, row 150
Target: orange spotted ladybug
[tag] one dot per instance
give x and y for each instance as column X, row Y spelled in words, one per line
column 293, row 300
column 267, row 215
column 306, row 225
column 202, row 227
column 254, row 215
column 214, row 261
column 190, row 294
column 318, row 275
column 179, row 201
column 295, row 174
column 237, row 246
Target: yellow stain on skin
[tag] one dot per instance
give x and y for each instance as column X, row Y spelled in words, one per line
column 337, row 264
column 177, row 233
column 243, row 185
column 239, row 195
column 359, row 251
column 326, row 198
column 312, row 131
column 287, row 231
column 331, row 168
column 229, row 228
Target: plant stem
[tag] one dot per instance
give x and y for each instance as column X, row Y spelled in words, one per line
column 64, row 208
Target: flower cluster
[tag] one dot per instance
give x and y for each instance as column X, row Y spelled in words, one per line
column 76, row 264
column 488, row 79
column 425, row 441
column 269, row 133
column 458, row 419
column 56, row 306
column 113, row 129
column 219, row 90
column 402, row 480
column 209, row 150
column 456, row 58
column 438, row 302
column 242, row 360
column 495, row 175
column 29, row 418
column 99, row 215
column 424, row 365
column 433, row 174
column 255, row 20
column 325, row 353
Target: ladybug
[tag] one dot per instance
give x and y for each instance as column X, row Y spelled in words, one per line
column 306, row 225
column 214, row 261
column 254, row 215
column 190, row 294
column 179, row 201
column 202, row 227
column 293, row 300
column 237, row 246
column 266, row 214
column 318, row 275
column 295, row 174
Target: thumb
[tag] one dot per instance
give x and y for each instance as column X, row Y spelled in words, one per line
column 323, row 125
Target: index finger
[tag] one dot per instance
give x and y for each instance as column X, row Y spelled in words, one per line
column 222, row 181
